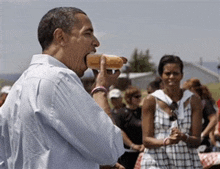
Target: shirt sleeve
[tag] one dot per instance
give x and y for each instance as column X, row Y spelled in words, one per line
column 209, row 108
column 80, row 121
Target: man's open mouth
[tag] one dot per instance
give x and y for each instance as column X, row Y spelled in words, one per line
column 85, row 58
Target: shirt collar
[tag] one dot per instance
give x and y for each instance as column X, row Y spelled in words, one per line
column 46, row 59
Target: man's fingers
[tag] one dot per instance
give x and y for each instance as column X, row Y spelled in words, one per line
column 110, row 72
column 95, row 72
column 117, row 73
column 103, row 64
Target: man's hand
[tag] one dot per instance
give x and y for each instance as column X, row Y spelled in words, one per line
column 105, row 77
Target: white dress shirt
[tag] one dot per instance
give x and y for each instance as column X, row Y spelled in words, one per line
column 49, row 121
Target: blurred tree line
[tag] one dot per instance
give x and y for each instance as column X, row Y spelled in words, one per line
column 140, row 62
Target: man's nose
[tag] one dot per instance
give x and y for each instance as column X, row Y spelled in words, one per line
column 171, row 75
column 96, row 42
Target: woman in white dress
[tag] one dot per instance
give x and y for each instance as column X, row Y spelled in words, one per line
column 171, row 122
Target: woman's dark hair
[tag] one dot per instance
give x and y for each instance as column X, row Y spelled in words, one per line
column 169, row 59
column 61, row 17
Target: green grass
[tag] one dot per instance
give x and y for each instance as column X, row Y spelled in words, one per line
column 215, row 90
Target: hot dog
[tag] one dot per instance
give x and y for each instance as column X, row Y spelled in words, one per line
column 112, row 61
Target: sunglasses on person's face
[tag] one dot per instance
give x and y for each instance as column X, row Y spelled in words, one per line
column 174, row 109
column 137, row 96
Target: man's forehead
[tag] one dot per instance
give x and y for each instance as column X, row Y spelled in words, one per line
column 83, row 20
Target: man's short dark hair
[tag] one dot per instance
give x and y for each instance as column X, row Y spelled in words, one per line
column 61, row 17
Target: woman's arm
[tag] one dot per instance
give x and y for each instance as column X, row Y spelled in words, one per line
column 149, row 140
column 211, row 112
column 129, row 143
column 210, row 126
column 194, row 140
column 148, row 110
column 212, row 137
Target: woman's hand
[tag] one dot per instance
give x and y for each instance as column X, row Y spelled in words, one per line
column 172, row 140
column 142, row 148
column 175, row 136
column 175, row 130
column 138, row 147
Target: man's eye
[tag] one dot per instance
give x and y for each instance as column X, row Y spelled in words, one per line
column 175, row 73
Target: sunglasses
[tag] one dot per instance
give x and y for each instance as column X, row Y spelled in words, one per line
column 174, row 110
column 137, row 96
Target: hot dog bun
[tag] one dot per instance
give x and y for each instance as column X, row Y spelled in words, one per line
column 112, row 61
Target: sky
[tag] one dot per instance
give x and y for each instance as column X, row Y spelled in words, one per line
column 187, row 28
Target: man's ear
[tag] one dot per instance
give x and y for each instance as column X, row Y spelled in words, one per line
column 59, row 37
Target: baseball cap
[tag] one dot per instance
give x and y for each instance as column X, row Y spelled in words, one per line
column 114, row 93
column 6, row 89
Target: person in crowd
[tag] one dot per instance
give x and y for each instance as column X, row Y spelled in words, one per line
column 4, row 93
column 48, row 120
column 129, row 120
column 154, row 85
column 217, row 131
column 209, row 112
column 218, row 115
column 116, row 98
column 215, row 135
column 171, row 121
column 215, row 139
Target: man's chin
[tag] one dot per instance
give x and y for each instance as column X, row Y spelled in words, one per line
column 172, row 83
column 81, row 74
